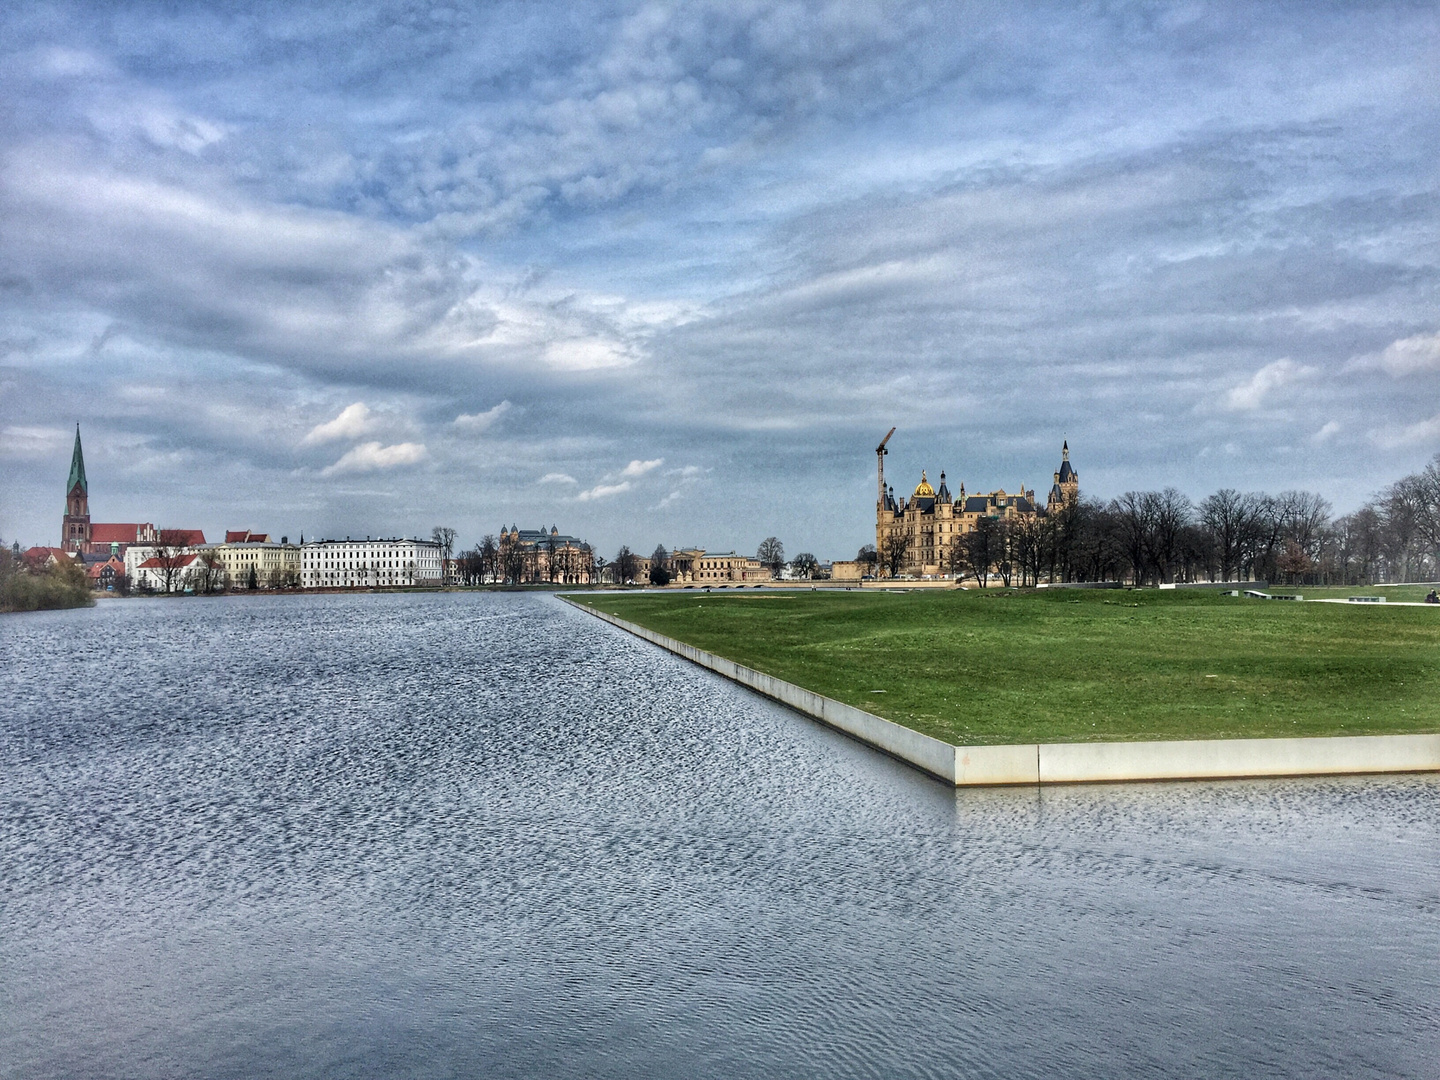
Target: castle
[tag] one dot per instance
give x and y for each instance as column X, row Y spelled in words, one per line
column 928, row 525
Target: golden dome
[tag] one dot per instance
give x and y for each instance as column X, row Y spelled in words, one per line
column 924, row 491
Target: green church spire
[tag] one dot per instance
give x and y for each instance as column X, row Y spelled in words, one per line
column 77, row 467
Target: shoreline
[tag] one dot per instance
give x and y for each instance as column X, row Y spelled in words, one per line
column 1069, row 763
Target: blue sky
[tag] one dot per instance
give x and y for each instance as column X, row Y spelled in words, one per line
column 662, row 273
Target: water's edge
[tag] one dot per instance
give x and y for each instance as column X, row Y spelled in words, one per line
column 1069, row 763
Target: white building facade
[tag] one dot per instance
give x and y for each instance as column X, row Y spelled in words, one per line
column 369, row 564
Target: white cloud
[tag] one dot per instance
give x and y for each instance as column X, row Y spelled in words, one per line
column 354, row 420
column 1330, row 429
column 33, row 443
column 640, row 468
column 557, row 478
column 371, row 456
column 1411, row 355
column 1426, row 431
column 603, row 491
column 1251, row 394
column 483, row 421
column 592, row 354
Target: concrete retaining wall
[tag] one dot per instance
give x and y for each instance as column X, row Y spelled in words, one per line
column 1070, row 763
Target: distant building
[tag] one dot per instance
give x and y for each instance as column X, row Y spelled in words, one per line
column 177, row 572
column 103, row 571
column 930, row 523
column 275, row 566
column 369, row 564
column 42, row 558
column 542, row 555
column 721, row 568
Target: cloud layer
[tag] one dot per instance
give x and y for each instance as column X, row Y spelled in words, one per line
column 366, row 268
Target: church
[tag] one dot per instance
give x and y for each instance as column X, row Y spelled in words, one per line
column 80, row 536
column 928, row 524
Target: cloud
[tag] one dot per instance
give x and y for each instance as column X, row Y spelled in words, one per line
column 33, row 443
column 557, row 478
column 592, row 354
column 1418, row 434
column 1411, row 355
column 640, row 468
column 603, row 491
column 372, row 457
column 1251, row 394
column 682, row 480
column 483, row 421
column 354, row 420
column 1328, row 431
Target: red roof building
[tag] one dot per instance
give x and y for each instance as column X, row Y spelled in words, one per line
column 103, row 534
column 245, row 536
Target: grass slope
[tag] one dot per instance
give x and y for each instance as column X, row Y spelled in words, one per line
column 1076, row 666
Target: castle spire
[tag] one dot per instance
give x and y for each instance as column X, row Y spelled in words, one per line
column 77, row 468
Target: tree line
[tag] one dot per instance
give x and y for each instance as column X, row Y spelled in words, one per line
column 1154, row 537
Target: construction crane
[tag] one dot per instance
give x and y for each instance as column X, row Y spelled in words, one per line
column 880, row 453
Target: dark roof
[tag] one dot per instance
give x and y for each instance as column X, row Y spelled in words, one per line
column 1066, row 472
column 943, row 495
column 924, row 504
column 976, row 504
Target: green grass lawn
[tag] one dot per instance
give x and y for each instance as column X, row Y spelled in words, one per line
column 1076, row 666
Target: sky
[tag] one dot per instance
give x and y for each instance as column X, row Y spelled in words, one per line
column 667, row 273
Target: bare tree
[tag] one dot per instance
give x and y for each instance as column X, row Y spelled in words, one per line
column 980, row 548
column 489, row 554
column 1168, row 513
column 660, row 566
column 445, row 537
column 171, row 558
column 893, row 551
column 771, row 555
column 212, row 572
column 804, row 565
column 624, row 566
column 1226, row 516
column 1134, row 515
column 868, row 558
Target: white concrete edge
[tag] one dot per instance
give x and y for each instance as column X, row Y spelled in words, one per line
column 1070, row 763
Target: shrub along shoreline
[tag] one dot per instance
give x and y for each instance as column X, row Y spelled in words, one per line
column 58, row 586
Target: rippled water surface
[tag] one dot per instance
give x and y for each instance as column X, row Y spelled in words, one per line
column 487, row 835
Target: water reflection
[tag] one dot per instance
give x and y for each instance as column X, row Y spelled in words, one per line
column 487, row 835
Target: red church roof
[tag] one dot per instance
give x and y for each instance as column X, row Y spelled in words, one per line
column 182, row 537
column 120, row 532
column 156, row 564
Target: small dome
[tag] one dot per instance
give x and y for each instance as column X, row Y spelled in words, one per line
column 924, row 491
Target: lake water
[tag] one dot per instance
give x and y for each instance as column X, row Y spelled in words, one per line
column 487, row 835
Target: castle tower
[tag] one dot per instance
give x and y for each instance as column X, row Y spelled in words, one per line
column 1066, row 489
column 75, row 527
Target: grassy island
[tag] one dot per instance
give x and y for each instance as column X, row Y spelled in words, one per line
column 992, row 667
